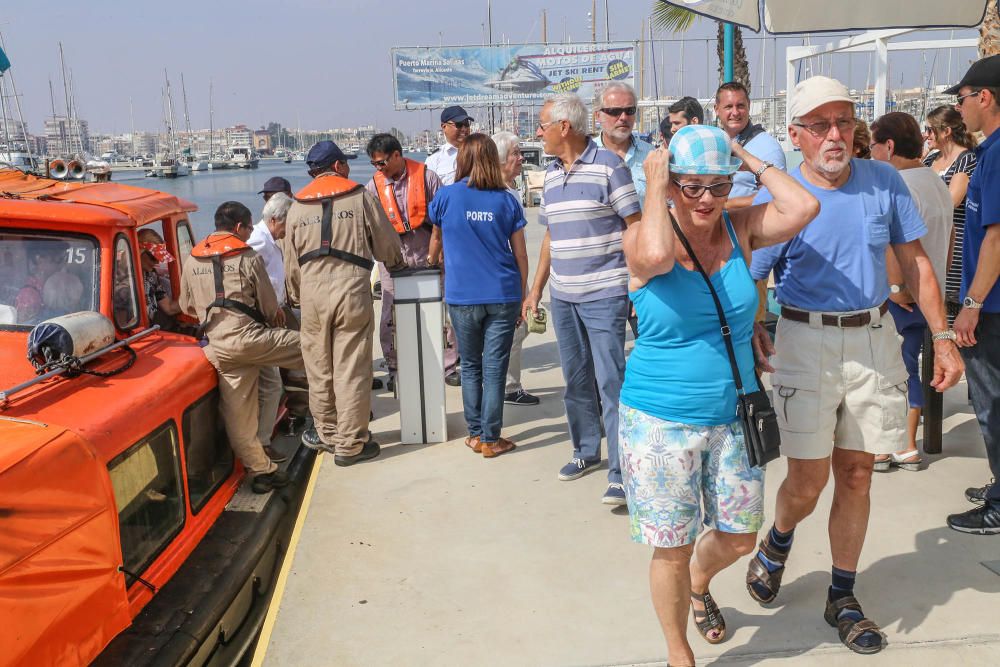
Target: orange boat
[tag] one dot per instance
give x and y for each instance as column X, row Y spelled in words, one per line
column 125, row 537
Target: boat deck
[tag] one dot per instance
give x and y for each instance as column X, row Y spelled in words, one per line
column 431, row 555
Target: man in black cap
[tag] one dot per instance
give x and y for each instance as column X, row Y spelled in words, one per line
column 275, row 184
column 977, row 327
column 456, row 125
column 335, row 227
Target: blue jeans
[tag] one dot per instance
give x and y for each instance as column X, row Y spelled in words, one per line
column 485, row 333
column 591, row 339
column 911, row 326
column 982, row 370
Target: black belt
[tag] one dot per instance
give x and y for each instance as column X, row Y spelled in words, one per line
column 856, row 320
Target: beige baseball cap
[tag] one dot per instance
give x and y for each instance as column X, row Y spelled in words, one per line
column 815, row 92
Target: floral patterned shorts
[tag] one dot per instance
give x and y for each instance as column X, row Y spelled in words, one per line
column 670, row 469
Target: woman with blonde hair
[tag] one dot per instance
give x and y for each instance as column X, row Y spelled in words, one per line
column 480, row 228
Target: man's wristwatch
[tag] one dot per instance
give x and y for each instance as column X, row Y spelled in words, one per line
column 764, row 166
column 945, row 335
column 969, row 302
column 895, row 289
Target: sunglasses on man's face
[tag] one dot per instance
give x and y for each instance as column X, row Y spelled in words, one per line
column 615, row 112
column 379, row 164
column 462, row 125
column 961, row 98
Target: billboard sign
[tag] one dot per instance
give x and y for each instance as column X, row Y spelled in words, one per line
column 434, row 77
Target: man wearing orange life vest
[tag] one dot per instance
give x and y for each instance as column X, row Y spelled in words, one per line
column 225, row 285
column 405, row 187
column 334, row 228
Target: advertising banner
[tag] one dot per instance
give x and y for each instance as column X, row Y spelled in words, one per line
column 434, row 77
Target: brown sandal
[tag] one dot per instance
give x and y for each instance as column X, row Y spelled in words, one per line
column 757, row 573
column 494, row 449
column 710, row 619
column 473, row 443
column 850, row 629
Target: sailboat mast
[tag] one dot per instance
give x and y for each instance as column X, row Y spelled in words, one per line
column 17, row 102
column 131, row 121
column 169, row 117
column 211, row 124
column 187, row 118
column 62, row 64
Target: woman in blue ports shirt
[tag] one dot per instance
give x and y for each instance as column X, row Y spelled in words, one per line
column 481, row 228
column 682, row 450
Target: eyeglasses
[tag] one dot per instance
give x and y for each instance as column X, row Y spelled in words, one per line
column 615, row 112
column 378, row 164
column 544, row 126
column 928, row 129
column 961, row 98
column 822, row 127
column 461, row 125
column 695, row 191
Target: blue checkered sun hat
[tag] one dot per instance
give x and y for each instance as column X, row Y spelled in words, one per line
column 702, row 149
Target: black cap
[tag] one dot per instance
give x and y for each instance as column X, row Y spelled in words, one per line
column 455, row 115
column 276, row 184
column 324, row 154
column 984, row 73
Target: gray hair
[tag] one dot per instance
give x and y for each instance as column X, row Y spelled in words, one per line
column 277, row 207
column 612, row 87
column 505, row 141
column 568, row 107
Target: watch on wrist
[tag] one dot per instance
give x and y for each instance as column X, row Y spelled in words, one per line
column 945, row 335
column 764, row 166
column 895, row 289
column 969, row 302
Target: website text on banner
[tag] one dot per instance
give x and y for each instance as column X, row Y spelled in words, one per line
column 429, row 77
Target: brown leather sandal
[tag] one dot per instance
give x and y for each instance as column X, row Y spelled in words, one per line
column 757, row 573
column 473, row 443
column 494, row 449
column 710, row 619
column 850, row 629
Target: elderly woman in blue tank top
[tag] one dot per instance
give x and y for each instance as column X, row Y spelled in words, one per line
column 682, row 450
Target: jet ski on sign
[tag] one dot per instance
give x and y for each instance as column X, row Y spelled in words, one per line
column 520, row 76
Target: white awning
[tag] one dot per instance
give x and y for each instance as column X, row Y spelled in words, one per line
column 799, row 16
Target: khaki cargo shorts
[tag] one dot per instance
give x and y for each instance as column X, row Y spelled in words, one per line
column 839, row 387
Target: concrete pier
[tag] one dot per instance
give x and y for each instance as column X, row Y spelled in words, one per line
column 432, row 555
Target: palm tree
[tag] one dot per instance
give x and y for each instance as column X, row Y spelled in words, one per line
column 989, row 31
column 676, row 19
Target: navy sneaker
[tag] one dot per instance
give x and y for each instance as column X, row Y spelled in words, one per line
column 576, row 469
column 615, row 495
column 977, row 494
column 983, row 520
column 520, row 397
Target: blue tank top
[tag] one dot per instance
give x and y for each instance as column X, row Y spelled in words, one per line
column 679, row 369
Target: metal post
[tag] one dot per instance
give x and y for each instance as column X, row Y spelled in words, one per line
column 933, row 400
column 881, row 77
column 727, row 43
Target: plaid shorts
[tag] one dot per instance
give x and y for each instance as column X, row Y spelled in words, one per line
column 671, row 471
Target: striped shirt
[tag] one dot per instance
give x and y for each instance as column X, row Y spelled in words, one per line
column 585, row 210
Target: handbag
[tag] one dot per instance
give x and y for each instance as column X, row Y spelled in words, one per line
column 757, row 418
column 536, row 323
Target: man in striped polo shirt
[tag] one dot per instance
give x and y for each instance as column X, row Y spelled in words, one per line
column 587, row 201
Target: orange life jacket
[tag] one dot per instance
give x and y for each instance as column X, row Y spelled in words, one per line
column 416, row 197
column 215, row 247
column 324, row 189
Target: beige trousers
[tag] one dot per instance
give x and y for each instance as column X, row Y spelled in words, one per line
column 338, row 323
column 239, row 362
column 514, row 366
column 269, row 400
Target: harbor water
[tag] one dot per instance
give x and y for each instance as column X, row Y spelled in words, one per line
column 208, row 189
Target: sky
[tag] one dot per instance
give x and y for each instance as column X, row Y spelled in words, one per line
column 324, row 64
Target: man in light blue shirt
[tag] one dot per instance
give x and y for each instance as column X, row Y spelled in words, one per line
column 732, row 109
column 838, row 377
column 615, row 110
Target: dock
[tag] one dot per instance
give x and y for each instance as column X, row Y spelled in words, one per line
column 432, row 555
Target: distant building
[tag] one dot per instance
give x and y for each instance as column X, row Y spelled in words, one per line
column 238, row 135
column 64, row 136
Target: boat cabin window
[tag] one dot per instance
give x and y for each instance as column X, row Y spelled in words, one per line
column 206, row 449
column 147, row 484
column 185, row 242
column 124, row 297
column 46, row 275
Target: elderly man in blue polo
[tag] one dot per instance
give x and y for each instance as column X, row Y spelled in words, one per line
column 587, row 201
